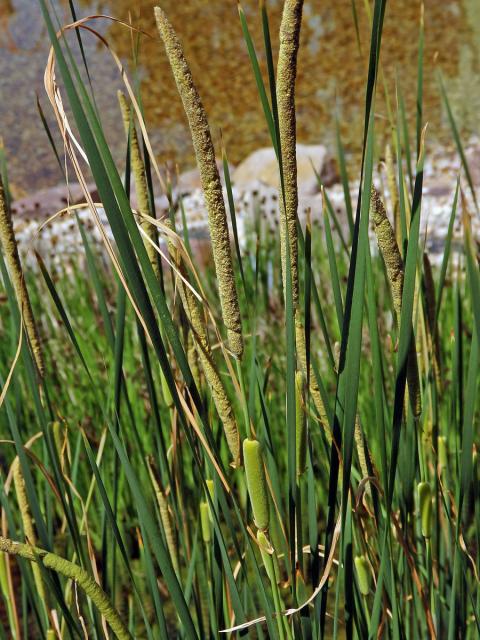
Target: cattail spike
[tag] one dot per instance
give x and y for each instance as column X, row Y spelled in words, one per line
column 286, row 77
column 7, row 239
column 205, row 522
column 211, row 185
column 395, row 272
column 72, row 572
column 256, row 482
column 425, row 508
column 362, row 569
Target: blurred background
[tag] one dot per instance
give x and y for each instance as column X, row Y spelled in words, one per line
column 332, row 71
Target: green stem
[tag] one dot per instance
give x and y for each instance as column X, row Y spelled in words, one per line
column 73, row 572
column 246, row 416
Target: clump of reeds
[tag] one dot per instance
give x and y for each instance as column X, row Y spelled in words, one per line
column 7, row 238
column 211, row 185
column 179, row 549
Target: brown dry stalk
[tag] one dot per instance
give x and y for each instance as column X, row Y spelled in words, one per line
column 211, row 185
column 198, row 328
column 7, row 238
column 286, row 77
column 141, row 187
column 387, row 244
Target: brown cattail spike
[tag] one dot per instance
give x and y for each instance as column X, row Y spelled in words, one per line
column 211, row 185
column 286, row 77
column 395, row 272
column 7, row 238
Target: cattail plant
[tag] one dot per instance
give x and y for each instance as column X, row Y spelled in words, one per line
column 7, row 238
column 286, row 78
column 256, row 482
column 425, row 508
column 363, row 574
column 205, row 522
column 211, row 492
column 143, row 495
column 211, row 185
column 442, row 453
column 193, row 359
column 288, row 196
column 395, row 272
column 73, row 572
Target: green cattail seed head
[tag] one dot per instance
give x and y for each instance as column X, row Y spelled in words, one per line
column 210, row 487
column 442, row 452
column 363, row 574
column 256, row 483
column 205, row 522
column 211, row 491
column 425, row 506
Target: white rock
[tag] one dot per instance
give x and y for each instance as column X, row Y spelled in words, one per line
column 262, row 165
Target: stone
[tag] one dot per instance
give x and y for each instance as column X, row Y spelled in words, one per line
column 262, row 165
